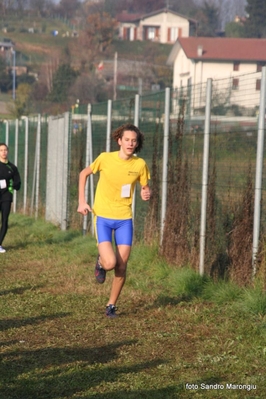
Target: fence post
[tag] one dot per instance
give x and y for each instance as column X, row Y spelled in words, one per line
column 7, row 132
column 38, row 152
column 33, row 179
column 259, row 167
column 205, row 175
column 88, row 161
column 136, row 123
column 109, row 125
column 165, row 158
column 16, row 163
column 25, row 188
column 136, row 110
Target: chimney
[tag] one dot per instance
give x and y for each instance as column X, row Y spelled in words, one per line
column 200, row 50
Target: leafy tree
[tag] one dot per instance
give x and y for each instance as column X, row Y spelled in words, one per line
column 5, row 78
column 21, row 104
column 255, row 24
column 63, row 79
column 234, row 29
column 25, row 78
column 208, row 20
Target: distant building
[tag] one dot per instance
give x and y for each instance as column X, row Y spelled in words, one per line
column 162, row 26
column 6, row 45
column 195, row 59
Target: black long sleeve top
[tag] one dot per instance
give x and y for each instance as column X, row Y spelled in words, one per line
column 9, row 180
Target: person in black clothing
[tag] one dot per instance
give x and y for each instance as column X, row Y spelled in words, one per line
column 9, row 180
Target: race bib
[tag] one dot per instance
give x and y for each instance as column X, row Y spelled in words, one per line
column 2, row 183
column 125, row 191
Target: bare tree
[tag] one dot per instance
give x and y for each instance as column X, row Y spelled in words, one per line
column 68, row 8
column 100, row 30
column 38, row 6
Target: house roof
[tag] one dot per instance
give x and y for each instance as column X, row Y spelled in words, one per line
column 128, row 17
column 6, row 45
column 166, row 10
column 220, row 49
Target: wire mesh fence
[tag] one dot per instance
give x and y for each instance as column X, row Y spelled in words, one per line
column 231, row 170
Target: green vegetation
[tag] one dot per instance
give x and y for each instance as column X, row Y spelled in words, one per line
column 37, row 47
column 174, row 327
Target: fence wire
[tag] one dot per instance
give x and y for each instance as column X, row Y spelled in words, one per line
column 233, row 146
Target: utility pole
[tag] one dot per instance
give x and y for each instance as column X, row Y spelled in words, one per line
column 14, row 73
column 115, row 75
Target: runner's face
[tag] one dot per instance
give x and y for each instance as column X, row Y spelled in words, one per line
column 128, row 143
column 3, row 153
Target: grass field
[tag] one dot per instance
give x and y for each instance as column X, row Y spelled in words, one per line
column 178, row 335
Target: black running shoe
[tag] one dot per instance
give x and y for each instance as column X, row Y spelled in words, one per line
column 99, row 272
column 110, row 311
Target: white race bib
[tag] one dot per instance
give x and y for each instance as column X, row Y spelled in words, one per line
column 2, row 183
column 125, row 191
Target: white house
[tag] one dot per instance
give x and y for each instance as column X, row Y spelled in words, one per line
column 6, row 46
column 195, row 59
column 163, row 26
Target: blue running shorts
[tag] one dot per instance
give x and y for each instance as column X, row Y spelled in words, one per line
column 123, row 230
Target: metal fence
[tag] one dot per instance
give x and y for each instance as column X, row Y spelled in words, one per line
column 213, row 129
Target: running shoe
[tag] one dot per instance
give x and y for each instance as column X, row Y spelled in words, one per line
column 99, row 272
column 2, row 250
column 110, row 311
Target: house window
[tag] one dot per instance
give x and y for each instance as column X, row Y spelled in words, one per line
column 260, row 65
column 151, row 33
column 236, row 66
column 173, row 34
column 258, row 84
column 235, row 85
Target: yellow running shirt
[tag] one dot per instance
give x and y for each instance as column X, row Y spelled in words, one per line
column 116, row 184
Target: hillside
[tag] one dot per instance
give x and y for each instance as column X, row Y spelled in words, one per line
column 35, row 39
column 38, row 48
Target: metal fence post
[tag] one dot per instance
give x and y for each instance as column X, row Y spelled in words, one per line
column 109, row 126
column 136, row 123
column 33, row 180
column 205, row 175
column 259, row 167
column 165, row 159
column 25, row 188
column 88, row 161
column 136, row 110
column 38, row 152
column 7, row 132
column 15, row 162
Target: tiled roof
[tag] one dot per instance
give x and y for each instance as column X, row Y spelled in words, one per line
column 127, row 17
column 166, row 10
column 223, row 49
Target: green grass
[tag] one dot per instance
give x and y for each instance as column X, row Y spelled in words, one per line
column 136, row 49
column 174, row 326
column 35, row 48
